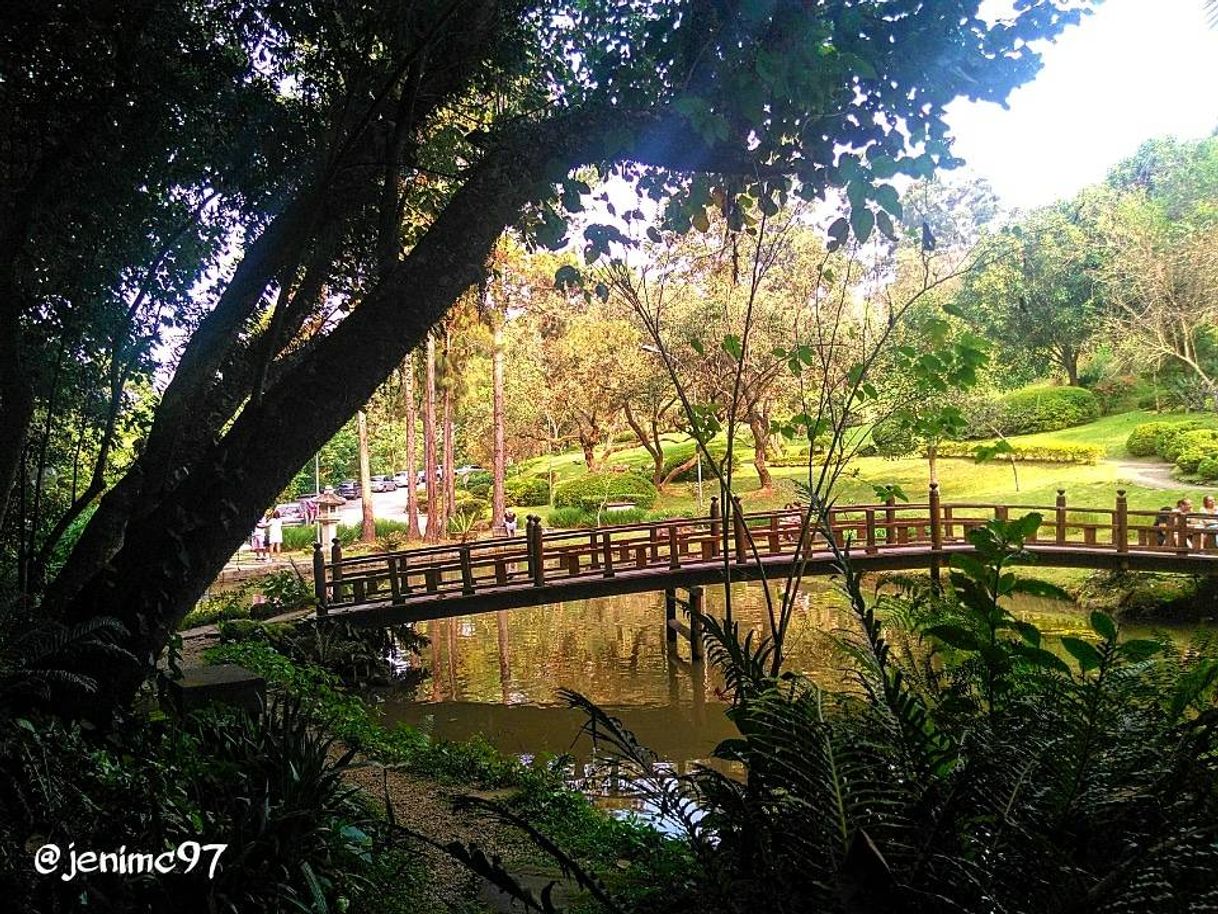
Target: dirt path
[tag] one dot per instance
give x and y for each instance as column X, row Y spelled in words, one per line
column 1151, row 474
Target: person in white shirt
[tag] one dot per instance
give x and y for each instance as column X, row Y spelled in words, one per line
column 274, row 533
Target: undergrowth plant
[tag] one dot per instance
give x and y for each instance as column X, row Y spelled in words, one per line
column 978, row 766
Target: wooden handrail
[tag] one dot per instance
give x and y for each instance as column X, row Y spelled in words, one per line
column 675, row 546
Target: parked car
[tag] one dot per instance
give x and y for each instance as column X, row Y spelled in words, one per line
column 348, row 489
column 291, row 514
column 467, row 469
column 383, row 484
column 401, row 479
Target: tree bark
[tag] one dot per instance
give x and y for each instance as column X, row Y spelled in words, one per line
column 171, row 554
column 651, row 443
column 499, row 455
column 450, row 478
column 760, row 428
column 412, row 463
column 431, row 533
column 368, row 527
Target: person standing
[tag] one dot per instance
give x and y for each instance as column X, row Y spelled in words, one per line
column 274, row 533
column 258, row 540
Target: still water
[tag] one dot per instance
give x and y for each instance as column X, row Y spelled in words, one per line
column 497, row 674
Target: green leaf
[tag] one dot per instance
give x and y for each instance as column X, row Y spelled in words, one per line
column 1029, row 632
column 696, row 345
column 653, row 233
column 886, row 195
column 1042, row 658
column 838, row 232
column 1138, row 649
column 1087, row 656
column 566, row 277
column 732, row 346
column 1103, row 625
column 1035, row 588
column 956, row 636
column 862, row 221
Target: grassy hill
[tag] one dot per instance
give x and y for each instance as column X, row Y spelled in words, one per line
column 960, row 479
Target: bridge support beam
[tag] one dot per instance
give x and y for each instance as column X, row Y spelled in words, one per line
column 936, row 535
column 696, row 605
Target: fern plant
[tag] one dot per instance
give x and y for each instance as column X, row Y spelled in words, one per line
column 978, row 766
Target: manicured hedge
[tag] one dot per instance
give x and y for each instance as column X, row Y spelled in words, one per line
column 1207, row 469
column 1194, row 447
column 1144, row 437
column 1047, row 409
column 1030, row 453
column 477, row 484
column 527, row 491
column 592, row 490
column 1171, row 441
column 575, row 518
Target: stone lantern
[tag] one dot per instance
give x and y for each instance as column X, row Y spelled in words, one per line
column 327, row 515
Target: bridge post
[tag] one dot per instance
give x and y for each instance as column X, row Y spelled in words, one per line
column 1120, row 522
column 467, row 571
column 319, row 578
column 715, row 526
column 674, row 547
column 336, row 556
column 871, row 547
column 890, row 520
column 537, row 568
column 607, row 552
column 1182, row 534
column 670, row 616
column 1059, row 522
column 936, row 533
column 742, row 551
column 697, row 605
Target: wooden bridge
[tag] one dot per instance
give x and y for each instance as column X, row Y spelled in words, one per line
column 552, row 567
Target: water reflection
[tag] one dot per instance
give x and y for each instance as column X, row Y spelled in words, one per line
column 497, row 674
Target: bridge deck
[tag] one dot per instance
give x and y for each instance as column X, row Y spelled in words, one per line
column 540, row 567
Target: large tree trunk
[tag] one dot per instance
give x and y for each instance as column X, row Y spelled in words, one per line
column 499, row 454
column 587, row 441
column 368, row 527
column 170, row 554
column 434, row 510
column 760, row 428
column 1069, row 362
column 650, row 443
column 412, row 463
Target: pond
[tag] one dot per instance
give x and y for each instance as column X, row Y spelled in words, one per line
column 497, row 674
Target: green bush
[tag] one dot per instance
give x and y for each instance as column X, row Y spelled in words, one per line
column 1047, row 409
column 1207, row 469
column 680, row 453
column 527, row 491
column 579, row 518
column 1194, row 447
column 592, row 490
column 1047, row 452
column 478, row 484
column 1169, row 442
column 1142, row 440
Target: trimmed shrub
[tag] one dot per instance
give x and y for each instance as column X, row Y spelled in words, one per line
column 478, row 484
column 1047, row 409
column 577, row 518
column 1169, row 443
column 1207, row 469
column 1141, row 441
column 1048, row 452
column 527, row 491
column 1194, row 447
column 469, row 504
column 675, row 456
column 592, row 490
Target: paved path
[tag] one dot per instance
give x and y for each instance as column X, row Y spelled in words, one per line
column 1151, row 474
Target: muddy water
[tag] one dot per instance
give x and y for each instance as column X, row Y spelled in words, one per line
column 498, row 674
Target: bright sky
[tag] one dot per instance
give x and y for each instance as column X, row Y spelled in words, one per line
column 1133, row 70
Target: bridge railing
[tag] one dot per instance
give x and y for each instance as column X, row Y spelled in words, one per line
column 542, row 557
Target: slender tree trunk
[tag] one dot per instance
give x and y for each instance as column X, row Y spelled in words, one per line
column 1070, row 363
column 587, row 441
column 932, row 461
column 499, row 456
column 432, row 531
column 412, row 463
column 450, row 478
column 368, row 531
column 761, row 440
